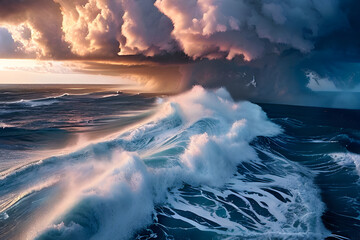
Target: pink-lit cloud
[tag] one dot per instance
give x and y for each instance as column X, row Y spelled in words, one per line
column 200, row 28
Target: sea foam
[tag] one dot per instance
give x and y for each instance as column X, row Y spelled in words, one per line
column 198, row 138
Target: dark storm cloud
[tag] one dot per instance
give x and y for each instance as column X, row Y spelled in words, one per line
column 200, row 28
column 209, row 42
column 40, row 21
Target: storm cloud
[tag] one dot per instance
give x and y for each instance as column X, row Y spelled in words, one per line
column 200, row 28
column 232, row 43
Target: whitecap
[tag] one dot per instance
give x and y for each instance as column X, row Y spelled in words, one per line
column 198, row 138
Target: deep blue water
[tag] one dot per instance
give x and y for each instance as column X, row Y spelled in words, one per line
column 93, row 162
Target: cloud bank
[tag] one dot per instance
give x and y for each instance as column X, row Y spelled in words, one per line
column 214, row 29
column 208, row 42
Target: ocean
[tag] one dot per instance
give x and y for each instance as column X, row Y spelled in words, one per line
column 95, row 162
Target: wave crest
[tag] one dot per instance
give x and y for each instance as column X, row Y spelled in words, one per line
column 198, row 138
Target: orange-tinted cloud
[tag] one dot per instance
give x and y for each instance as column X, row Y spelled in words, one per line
column 35, row 27
column 200, row 28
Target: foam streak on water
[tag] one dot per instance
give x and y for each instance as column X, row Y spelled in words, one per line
column 191, row 167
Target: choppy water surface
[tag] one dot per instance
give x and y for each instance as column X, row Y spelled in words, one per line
column 81, row 162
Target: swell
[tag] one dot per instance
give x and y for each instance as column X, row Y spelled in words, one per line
column 329, row 148
column 37, row 101
column 193, row 166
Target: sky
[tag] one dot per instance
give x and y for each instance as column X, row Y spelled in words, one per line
column 293, row 50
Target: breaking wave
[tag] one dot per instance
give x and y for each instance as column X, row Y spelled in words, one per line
column 193, row 166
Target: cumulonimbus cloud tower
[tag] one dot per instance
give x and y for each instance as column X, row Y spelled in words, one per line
column 274, row 41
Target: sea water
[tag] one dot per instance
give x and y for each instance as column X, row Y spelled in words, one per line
column 93, row 162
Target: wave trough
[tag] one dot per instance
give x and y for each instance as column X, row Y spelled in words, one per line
column 193, row 167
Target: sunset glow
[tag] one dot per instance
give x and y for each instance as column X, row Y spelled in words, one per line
column 17, row 71
column 179, row 119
